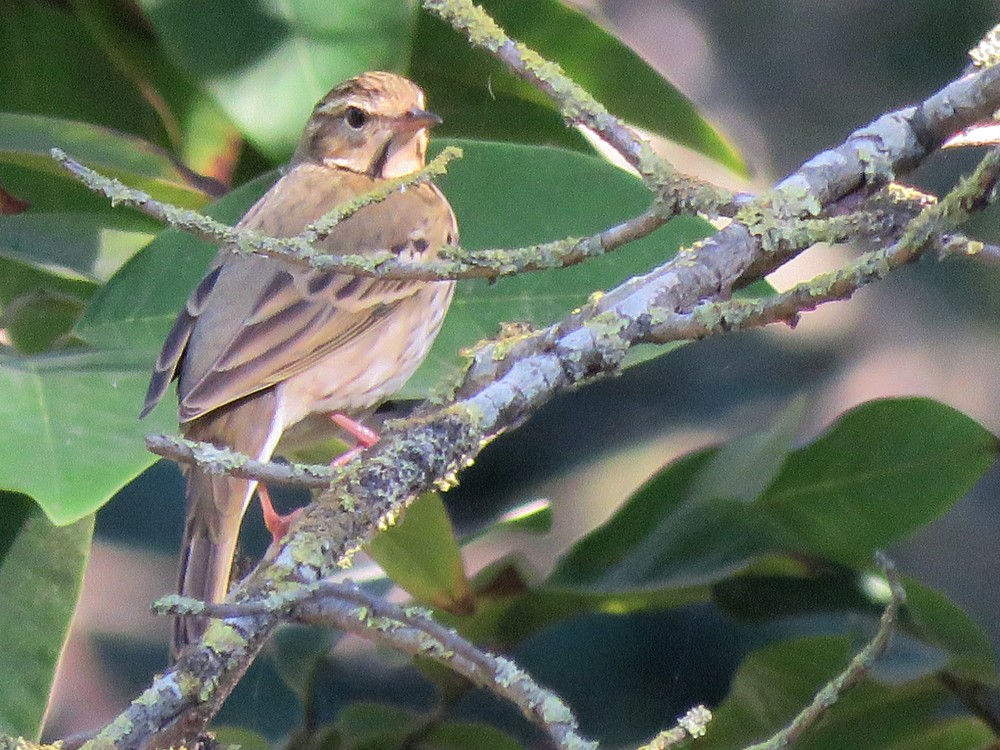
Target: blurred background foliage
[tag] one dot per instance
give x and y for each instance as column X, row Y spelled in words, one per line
column 753, row 474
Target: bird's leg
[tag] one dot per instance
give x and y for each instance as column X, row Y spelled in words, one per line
column 276, row 523
column 365, row 436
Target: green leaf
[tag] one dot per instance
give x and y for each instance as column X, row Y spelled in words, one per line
column 460, row 81
column 41, row 569
column 297, row 651
column 776, row 682
column 88, row 245
column 365, row 725
column 35, row 321
column 240, row 737
column 508, row 611
column 26, row 140
column 51, row 68
column 936, row 620
column 959, row 733
column 462, row 736
column 692, row 524
column 884, row 469
column 196, row 126
column 284, row 56
column 421, row 554
column 72, row 435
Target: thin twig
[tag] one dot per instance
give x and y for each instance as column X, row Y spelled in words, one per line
column 214, row 459
column 972, row 193
column 411, row 630
column 855, row 671
column 676, row 192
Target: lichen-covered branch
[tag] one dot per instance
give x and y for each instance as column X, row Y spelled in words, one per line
column 676, row 193
column 509, row 379
column 410, row 630
column 224, row 461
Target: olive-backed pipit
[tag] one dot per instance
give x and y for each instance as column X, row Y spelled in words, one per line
column 261, row 343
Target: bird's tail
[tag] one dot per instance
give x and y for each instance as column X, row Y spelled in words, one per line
column 215, row 507
column 216, row 504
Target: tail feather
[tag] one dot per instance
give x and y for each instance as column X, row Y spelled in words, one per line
column 216, row 504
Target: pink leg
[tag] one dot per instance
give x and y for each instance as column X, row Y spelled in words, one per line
column 276, row 523
column 365, row 436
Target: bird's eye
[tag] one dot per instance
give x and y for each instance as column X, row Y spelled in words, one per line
column 355, row 117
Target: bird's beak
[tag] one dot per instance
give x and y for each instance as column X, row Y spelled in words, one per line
column 417, row 119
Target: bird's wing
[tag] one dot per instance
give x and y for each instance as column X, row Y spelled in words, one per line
column 254, row 322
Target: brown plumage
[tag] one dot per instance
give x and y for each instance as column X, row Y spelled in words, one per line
column 261, row 344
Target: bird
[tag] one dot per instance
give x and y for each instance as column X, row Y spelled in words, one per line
column 262, row 344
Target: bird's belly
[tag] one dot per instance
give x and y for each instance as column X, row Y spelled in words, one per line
column 372, row 367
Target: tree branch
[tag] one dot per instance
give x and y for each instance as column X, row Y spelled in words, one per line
column 508, row 381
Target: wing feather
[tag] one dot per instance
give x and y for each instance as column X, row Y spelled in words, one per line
column 255, row 321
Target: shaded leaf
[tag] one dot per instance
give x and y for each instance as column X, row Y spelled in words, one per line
column 197, row 128
column 691, row 524
column 297, row 650
column 882, row 470
column 420, row 553
column 41, row 569
column 92, row 245
column 51, row 68
column 26, row 140
column 460, row 80
column 282, row 56
column 76, row 416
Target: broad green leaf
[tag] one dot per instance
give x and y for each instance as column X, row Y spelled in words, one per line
column 18, row 278
column 691, row 524
column 883, row 469
column 41, row 569
column 197, row 128
column 776, row 682
column 508, row 610
column 26, row 140
column 279, row 58
column 421, row 554
column 51, row 68
column 462, row 736
column 76, row 416
column 958, row 733
column 365, row 725
column 459, row 79
column 91, row 245
column 876, row 475
column 297, row 650
column 936, row 620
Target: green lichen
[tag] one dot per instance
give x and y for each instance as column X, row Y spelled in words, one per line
column 222, row 637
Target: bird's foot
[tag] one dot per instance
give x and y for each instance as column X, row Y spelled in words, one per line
column 365, row 436
column 276, row 523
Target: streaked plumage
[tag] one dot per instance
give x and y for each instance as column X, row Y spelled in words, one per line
column 261, row 344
